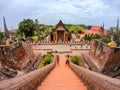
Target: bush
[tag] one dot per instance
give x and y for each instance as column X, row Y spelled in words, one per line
column 46, row 59
column 35, row 38
column 105, row 39
column 76, row 60
column 89, row 37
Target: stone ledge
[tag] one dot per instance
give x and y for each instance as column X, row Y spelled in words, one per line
column 95, row 81
column 90, row 62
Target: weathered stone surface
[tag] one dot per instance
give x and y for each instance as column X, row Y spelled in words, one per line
column 108, row 58
column 13, row 55
column 91, row 64
column 18, row 56
column 10, row 72
column 28, row 81
column 94, row 80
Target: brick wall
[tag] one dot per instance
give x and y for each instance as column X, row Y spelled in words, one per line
column 18, row 55
column 13, row 55
column 107, row 57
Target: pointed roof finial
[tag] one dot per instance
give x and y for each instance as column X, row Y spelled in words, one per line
column 60, row 22
column 117, row 24
column 6, row 33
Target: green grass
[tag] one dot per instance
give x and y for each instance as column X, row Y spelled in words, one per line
column 76, row 60
column 46, row 59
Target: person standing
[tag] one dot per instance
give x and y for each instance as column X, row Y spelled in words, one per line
column 58, row 59
column 67, row 60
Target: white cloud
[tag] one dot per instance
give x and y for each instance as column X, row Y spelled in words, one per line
column 71, row 11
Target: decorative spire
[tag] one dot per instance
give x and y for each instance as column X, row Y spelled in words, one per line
column 102, row 31
column 103, row 27
column 117, row 28
column 6, row 33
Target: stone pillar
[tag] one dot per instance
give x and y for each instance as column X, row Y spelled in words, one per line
column 56, row 37
column 64, row 36
column 53, row 38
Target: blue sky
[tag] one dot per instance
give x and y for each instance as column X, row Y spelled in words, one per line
column 89, row 12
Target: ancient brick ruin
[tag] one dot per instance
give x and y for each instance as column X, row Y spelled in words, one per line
column 107, row 57
column 17, row 57
column 102, row 58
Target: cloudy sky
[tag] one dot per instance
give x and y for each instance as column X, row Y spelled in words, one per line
column 89, row 12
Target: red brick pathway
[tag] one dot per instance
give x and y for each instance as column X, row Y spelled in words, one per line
column 62, row 78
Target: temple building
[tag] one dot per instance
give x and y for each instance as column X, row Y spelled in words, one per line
column 60, row 33
column 94, row 30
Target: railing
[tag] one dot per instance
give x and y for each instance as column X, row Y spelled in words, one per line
column 61, row 43
column 95, row 81
column 29, row 81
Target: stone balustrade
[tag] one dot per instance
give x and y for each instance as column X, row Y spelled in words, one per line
column 29, row 81
column 95, row 81
column 63, row 43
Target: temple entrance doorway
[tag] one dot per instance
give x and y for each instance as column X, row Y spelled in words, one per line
column 51, row 37
column 60, row 36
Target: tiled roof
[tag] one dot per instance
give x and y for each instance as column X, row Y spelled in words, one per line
column 60, row 25
column 96, row 28
column 12, row 31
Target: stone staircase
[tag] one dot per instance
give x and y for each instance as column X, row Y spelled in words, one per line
column 62, row 78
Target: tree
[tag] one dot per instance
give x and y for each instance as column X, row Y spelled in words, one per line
column 91, row 36
column 88, row 27
column 1, row 36
column 68, row 26
column 27, row 26
column 76, row 29
column 83, row 25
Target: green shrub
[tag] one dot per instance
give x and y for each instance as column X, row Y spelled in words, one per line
column 44, row 56
column 105, row 39
column 35, row 38
column 46, row 59
column 76, row 60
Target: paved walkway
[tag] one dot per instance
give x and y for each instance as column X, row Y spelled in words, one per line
column 62, row 78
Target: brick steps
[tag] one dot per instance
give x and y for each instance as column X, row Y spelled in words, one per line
column 62, row 78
